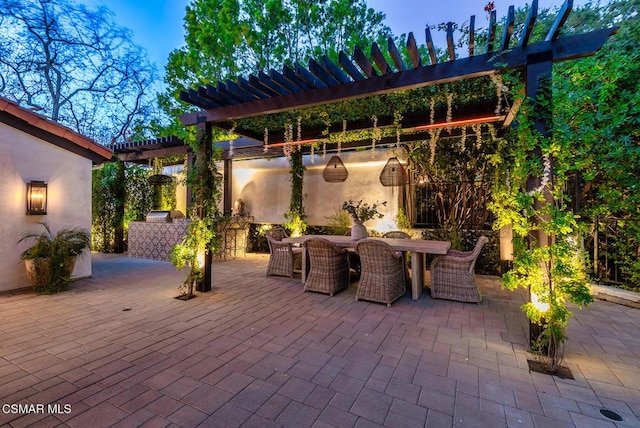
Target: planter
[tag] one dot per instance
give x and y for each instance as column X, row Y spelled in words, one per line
column 39, row 272
column 358, row 231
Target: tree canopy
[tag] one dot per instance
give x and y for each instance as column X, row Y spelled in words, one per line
column 226, row 39
column 76, row 66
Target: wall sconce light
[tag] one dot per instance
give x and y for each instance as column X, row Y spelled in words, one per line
column 36, row 198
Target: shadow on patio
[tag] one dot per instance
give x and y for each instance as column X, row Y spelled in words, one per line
column 257, row 351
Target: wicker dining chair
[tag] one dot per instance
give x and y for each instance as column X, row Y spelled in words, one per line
column 398, row 234
column 329, row 270
column 284, row 258
column 453, row 276
column 383, row 272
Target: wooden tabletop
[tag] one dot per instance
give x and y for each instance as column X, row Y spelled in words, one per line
column 415, row 245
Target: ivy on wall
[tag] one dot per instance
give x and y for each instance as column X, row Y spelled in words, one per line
column 138, row 201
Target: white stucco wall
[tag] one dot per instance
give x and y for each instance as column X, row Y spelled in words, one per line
column 24, row 158
column 265, row 188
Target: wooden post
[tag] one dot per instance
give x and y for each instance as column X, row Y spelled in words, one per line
column 190, row 166
column 227, row 205
column 121, row 195
column 537, row 69
column 204, row 191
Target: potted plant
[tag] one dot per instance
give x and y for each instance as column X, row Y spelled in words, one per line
column 49, row 262
column 360, row 212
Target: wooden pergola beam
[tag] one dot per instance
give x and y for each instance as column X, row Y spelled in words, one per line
column 465, row 68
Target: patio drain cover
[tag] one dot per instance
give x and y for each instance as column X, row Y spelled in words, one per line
column 611, row 415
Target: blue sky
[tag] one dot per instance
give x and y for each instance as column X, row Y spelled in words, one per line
column 157, row 25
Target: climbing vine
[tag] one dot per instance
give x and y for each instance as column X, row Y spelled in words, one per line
column 528, row 196
column 204, row 214
column 296, row 223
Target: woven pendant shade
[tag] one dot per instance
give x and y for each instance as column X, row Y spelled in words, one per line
column 335, row 171
column 159, row 179
column 393, row 173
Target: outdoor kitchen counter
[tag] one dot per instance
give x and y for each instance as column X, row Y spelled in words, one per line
column 154, row 240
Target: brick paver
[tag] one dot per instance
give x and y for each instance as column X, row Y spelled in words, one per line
column 119, row 350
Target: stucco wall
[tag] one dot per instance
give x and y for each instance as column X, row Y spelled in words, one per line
column 265, row 188
column 24, row 158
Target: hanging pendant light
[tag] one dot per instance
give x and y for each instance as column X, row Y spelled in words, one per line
column 335, row 171
column 393, row 173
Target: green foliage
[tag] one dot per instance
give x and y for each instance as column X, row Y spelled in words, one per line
column 339, row 222
column 598, row 116
column 107, row 190
column 200, row 238
column 528, row 194
column 402, row 221
column 57, row 249
column 296, row 216
column 190, row 253
column 231, row 38
column 139, row 196
column 360, row 211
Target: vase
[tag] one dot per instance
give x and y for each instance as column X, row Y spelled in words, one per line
column 358, row 231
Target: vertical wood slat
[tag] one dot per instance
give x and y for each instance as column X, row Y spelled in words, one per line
column 395, row 55
column 451, row 49
column 235, row 89
column 349, row 66
column 333, row 69
column 430, row 48
column 212, row 93
column 364, row 63
column 412, row 49
column 565, row 10
column 280, row 80
column 472, row 29
column 321, row 73
column 214, row 101
column 266, row 81
column 289, row 74
column 529, row 24
column 309, row 78
column 222, row 90
column 508, row 29
column 245, row 85
column 378, row 58
column 492, row 32
column 255, row 82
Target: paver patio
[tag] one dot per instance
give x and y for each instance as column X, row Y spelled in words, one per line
column 119, row 350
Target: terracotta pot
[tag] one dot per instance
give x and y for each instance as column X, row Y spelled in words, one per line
column 358, row 231
column 39, row 270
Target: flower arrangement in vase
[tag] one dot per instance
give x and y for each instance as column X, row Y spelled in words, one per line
column 360, row 212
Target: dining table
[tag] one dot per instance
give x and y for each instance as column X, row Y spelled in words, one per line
column 417, row 247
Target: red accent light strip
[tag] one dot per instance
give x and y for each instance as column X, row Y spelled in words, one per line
column 485, row 119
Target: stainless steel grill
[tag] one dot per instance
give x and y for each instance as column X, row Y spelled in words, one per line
column 159, row 217
column 163, row 216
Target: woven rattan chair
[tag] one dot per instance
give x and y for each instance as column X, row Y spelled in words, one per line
column 398, row 234
column 284, row 259
column 453, row 276
column 383, row 272
column 329, row 271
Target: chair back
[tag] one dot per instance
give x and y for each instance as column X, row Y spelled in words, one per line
column 277, row 234
column 397, row 234
column 375, row 255
column 476, row 251
column 321, row 248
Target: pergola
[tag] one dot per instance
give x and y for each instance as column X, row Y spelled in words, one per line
column 325, row 82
